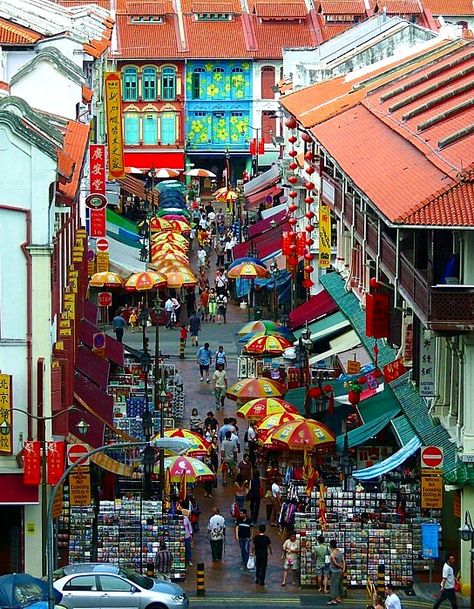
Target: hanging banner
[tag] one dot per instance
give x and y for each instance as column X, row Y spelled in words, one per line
column 6, row 412
column 377, row 315
column 300, row 244
column 427, row 385
column 393, row 370
column 113, row 113
column 430, row 540
column 97, row 169
column 285, row 243
column 324, row 236
column 32, row 463
column 55, row 461
column 80, row 487
column 97, row 223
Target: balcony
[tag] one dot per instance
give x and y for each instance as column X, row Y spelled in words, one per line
column 452, row 308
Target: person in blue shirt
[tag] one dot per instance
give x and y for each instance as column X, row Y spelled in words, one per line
column 221, row 359
column 204, row 359
column 118, row 324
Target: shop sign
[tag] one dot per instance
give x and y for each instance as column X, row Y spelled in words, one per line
column 430, row 539
column 55, row 461
column 113, row 113
column 431, row 492
column 427, row 386
column 80, row 487
column 6, row 412
column 98, row 344
column 97, row 168
column 353, row 366
column 58, row 503
column 69, row 310
column 324, row 236
column 102, row 261
column 393, row 370
column 407, row 340
column 97, row 223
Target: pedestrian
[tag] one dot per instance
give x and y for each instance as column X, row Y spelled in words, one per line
column 169, row 308
column 243, row 534
column 188, row 536
column 378, row 602
column 228, row 456
column 203, row 281
column 211, row 422
column 175, row 314
column 323, row 557
column 220, row 251
column 229, row 244
column 212, row 305
column 204, row 304
column 221, row 302
column 201, row 257
column 241, row 487
column 183, row 335
column 220, row 386
column 220, row 282
column 391, row 599
column 163, row 560
column 291, row 552
column 195, row 422
column 255, row 495
column 251, row 438
column 118, row 324
column 447, row 585
column 190, row 299
column 262, row 545
column 337, row 567
column 220, row 357
column 204, row 359
column 276, row 503
column 133, row 320
column 214, row 458
column 216, row 534
column 224, row 429
column 194, row 325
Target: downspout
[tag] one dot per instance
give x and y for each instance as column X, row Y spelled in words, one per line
column 397, row 269
column 29, row 331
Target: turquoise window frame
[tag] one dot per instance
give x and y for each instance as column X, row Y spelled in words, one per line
column 130, row 84
column 150, row 128
column 168, row 84
column 132, row 128
column 168, row 128
column 149, row 81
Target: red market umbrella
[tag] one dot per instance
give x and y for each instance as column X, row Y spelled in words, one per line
column 268, row 424
column 263, row 407
column 298, row 435
column 196, row 471
column 248, row 270
column 267, row 345
column 146, row 280
column 249, row 389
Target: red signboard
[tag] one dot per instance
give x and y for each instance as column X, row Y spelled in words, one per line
column 300, row 244
column 253, row 147
column 97, row 223
column 32, row 463
column 97, row 168
column 377, row 315
column 432, row 457
column 102, row 245
column 75, row 452
column 104, row 299
column 285, row 243
column 55, row 461
column 393, row 370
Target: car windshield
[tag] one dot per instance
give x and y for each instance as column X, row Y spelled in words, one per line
column 136, row 578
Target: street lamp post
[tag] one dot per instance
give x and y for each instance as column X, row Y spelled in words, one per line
column 257, row 146
column 466, row 533
column 304, row 348
column 275, row 271
column 159, row 401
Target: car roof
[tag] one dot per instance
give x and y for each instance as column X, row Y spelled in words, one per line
column 90, row 567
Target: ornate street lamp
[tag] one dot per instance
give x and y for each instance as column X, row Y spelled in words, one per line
column 275, row 271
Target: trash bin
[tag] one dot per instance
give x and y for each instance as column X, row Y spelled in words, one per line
column 258, row 312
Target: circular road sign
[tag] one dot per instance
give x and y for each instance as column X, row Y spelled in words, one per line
column 75, row 452
column 102, row 244
column 431, row 456
column 96, row 201
column 104, row 299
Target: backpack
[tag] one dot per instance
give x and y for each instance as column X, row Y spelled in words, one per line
column 246, row 436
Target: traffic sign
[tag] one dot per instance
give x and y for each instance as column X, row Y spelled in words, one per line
column 96, row 201
column 102, row 244
column 75, row 452
column 104, row 299
column 431, row 456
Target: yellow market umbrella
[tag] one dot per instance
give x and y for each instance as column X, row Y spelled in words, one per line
column 160, row 259
column 179, row 278
column 250, row 389
column 182, row 226
column 196, row 471
column 167, row 247
column 146, row 280
column 267, row 345
column 158, row 224
column 269, row 423
column 261, row 408
column 296, row 435
column 248, row 270
column 170, row 236
column 199, row 446
column 106, row 279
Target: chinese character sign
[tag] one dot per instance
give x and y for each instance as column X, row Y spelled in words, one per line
column 6, row 412
column 427, row 365
column 114, row 124
column 32, row 463
column 97, row 168
column 324, row 236
column 55, row 462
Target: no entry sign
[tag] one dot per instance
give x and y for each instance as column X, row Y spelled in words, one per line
column 102, row 244
column 75, row 452
column 432, row 457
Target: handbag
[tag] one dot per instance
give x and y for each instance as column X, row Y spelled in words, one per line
column 251, row 563
column 457, row 586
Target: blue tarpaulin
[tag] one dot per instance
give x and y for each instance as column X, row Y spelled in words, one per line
column 387, row 465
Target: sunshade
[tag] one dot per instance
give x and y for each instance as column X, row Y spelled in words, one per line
column 173, row 214
column 199, row 446
column 262, row 325
column 268, row 424
column 270, row 345
column 106, row 279
column 146, row 280
column 283, row 332
column 196, row 471
column 160, row 224
column 168, row 247
column 179, row 278
column 296, row 435
column 249, row 389
column 247, row 259
column 171, row 257
column 170, row 184
column 200, row 173
column 248, row 270
column 182, row 226
column 263, row 407
column 169, row 235
column 165, row 173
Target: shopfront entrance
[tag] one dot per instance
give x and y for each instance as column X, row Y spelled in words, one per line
column 11, row 539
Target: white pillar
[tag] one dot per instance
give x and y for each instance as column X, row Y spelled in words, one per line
column 467, row 394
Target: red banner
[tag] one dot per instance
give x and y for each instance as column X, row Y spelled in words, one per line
column 55, row 461
column 285, row 243
column 253, row 146
column 300, row 244
column 261, row 146
column 97, row 168
column 32, row 463
column 393, row 370
column 377, row 315
column 97, row 227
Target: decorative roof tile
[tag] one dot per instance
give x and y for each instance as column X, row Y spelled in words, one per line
column 280, row 10
column 75, row 143
column 450, row 8
column 272, row 38
column 341, row 7
column 398, row 7
column 149, row 8
column 211, row 39
column 12, row 33
column 330, row 30
column 219, row 7
column 146, row 41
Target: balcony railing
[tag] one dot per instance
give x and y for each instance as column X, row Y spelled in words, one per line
column 452, row 307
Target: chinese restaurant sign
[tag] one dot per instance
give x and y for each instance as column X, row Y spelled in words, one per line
column 324, row 236
column 114, row 124
column 5, row 411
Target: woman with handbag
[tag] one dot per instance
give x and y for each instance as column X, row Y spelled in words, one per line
column 291, row 551
column 255, row 495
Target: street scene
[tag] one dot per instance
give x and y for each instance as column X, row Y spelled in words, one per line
column 236, row 304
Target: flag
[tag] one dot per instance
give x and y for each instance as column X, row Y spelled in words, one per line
column 32, row 463
column 55, row 461
column 182, row 486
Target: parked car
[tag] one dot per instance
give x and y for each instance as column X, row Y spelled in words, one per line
column 107, row 586
column 106, row 567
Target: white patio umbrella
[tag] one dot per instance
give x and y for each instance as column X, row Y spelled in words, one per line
column 200, row 173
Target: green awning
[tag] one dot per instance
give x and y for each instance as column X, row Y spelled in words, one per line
column 326, row 326
column 375, row 406
column 362, row 434
column 297, row 397
column 403, row 429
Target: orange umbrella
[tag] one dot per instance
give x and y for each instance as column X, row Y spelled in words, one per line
column 199, row 446
column 179, row 278
column 169, row 247
column 248, row 270
column 181, row 226
column 159, row 224
column 263, row 407
column 296, row 435
column 271, row 345
column 268, row 424
column 249, row 389
column 146, row 280
column 106, row 279
column 160, row 259
column 170, row 236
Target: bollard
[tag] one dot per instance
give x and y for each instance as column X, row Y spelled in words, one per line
column 150, row 568
column 200, row 591
column 182, row 347
column 344, row 582
column 381, row 579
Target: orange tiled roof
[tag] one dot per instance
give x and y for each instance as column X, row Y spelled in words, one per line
column 144, row 41
column 87, row 94
column 273, row 37
column 102, row 3
column 329, row 30
column 280, row 9
column 447, row 8
column 148, row 8
column 4, row 86
column 211, row 39
column 12, row 33
column 341, row 7
column 451, row 206
column 71, row 160
column 399, row 7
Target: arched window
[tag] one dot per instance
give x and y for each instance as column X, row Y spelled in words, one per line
column 131, row 128
column 237, row 83
column 168, row 84
column 130, row 84
column 149, row 84
column 267, row 82
column 168, row 127
column 150, row 128
column 196, row 83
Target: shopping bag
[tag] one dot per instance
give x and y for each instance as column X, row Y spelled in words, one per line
column 251, row 563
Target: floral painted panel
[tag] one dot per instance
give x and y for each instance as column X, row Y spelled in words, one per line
column 219, row 81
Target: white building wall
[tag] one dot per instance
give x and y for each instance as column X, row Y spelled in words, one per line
column 260, row 105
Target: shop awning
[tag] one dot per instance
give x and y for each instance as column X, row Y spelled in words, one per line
column 387, row 465
column 263, row 196
column 341, row 343
column 263, row 181
column 358, row 354
column 14, row 492
column 267, row 244
column 124, row 259
column 145, row 160
column 403, row 429
column 94, row 367
column 383, row 401
column 365, row 432
column 98, row 401
column 331, row 324
column 263, row 225
column 134, row 186
column 273, row 211
column 318, row 305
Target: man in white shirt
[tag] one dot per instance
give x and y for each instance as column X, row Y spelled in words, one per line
column 202, row 256
column 216, row 534
column 169, row 308
column 447, row 584
column 252, row 443
column 392, row 601
column 276, row 504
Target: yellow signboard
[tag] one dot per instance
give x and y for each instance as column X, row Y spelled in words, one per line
column 58, row 503
column 102, row 262
column 432, row 492
column 80, row 487
column 324, row 236
column 113, row 114
column 6, row 412
column 353, row 366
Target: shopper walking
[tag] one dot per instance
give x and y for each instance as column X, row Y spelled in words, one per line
column 251, row 438
column 229, row 457
column 447, row 584
column 133, row 320
column 163, row 560
column 323, row 558
column 262, row 545
column 220, row 357
column 220, row 386
column 169, row 309
column 212, row 305
column 391, row 599
column 188, row 536
column 118, row 325
column 221, row 302
column 276, row 504
column 241, row 489
column 216, row 534
column 194, row 328
column 204, row 359
column 195, row 422
column 243, row 534
column 291, row 552
column 255, row 495
column 337, row 567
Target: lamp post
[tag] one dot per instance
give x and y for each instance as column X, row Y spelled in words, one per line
column 5, row 429
column 466, row 533
column 346, row 462
column 275, row 271
column 159, row 390
column 304, row 348
column 257, row 146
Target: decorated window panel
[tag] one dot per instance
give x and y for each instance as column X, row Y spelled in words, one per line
column 168, row 84
column 220, row 128
column 168, row 127
column 197, row 83
column 199, row 127
column 149, row 84
column 130, row 84
column 132, row 128
column 150, row 128
column 239, row 126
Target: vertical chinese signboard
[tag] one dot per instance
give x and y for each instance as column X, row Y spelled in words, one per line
column 427, row 365
column 97, row 189
column 324, row 236
column 114, row 124
column 6, row 412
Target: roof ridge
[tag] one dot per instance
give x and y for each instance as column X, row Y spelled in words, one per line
column 249, row 32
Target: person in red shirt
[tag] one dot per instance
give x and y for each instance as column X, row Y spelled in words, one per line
column 183, row 335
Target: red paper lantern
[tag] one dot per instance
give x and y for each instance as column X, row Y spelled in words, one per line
column 307, row 283
column 292, row 179
column 309, row 156
column 310, row 170
column 292, row 221
column 253, row 147
column 309, row 200
column 292, row 260
column 309, row 215
column 293, row 248
column 309, row 242
column 308, row 269
column 374, row 284
column 354, row 397
column 292, row 208
column 377, row 315
column 292, row 194
column 309, row 186
column 314, row 392
column 309, row 256
column 292, row 139
column 293, row 166
column 290, row 122
column 292, row 153
column 306, row 137
column 310, row 228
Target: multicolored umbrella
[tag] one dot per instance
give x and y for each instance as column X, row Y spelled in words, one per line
column 261, row 408
column 270, row 345
column 169, row 247
column 282, row 331
column 165, row 173
column 196, row 471
column 200, row 173
column 199, row 446
column 106, row 279
column 179, row 278
column 298, row 435
column 181, row 226
column 250, row 389
column 173, row 258
column 159, row 224
column 170, row 236
column 262, row 325
column 146, row 280
column 248, row 270
column 247, row 259
column 224, row 194
column 268, row 424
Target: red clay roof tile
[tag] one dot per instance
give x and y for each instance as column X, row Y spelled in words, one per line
column 447, row 8
column 279, row 9
column 146, row 41
column 74, row 146
column 12, row 33
column 341, row 7
column 399, row 7
column 273, row 37
column 148, row 8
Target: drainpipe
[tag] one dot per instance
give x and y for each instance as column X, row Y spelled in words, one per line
column 397, row 269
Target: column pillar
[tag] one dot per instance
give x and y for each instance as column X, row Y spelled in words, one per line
column 467, row 395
